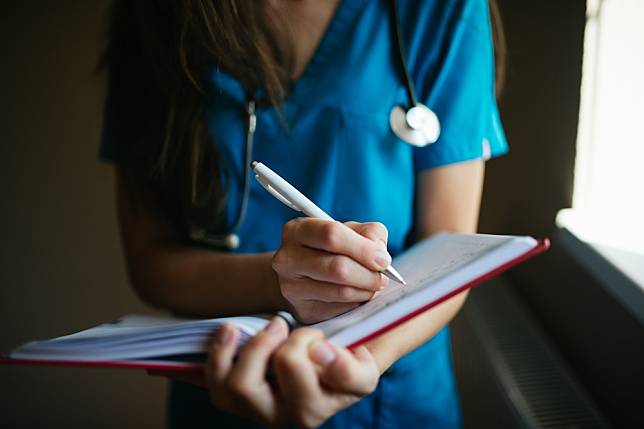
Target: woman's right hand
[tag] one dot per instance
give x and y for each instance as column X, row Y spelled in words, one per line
column 326, row 268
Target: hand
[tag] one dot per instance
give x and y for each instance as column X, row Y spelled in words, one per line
column 313, row 378
column 326, row 268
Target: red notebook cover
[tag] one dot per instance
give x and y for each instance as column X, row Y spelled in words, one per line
column 542, row 245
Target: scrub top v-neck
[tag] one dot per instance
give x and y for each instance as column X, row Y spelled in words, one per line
column 332, row 140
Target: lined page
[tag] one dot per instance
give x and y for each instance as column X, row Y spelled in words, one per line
column 433, row 269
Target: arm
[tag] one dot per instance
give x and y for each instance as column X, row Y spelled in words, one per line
column 185, row 279
column 448, row 198
column 321, row 269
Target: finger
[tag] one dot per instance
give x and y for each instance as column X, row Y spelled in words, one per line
column 332, row 268
column 374, row 231
column 340, row 369
column 308, row 312
column 252, row 362
column 244, row 386
column 298, row 381
column 306, row 288
column 222, row 352
column 335, row 237
column 313, row 290
column 295, row 372
column 192, row 378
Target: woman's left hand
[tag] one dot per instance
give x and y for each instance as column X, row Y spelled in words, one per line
column 313, row 378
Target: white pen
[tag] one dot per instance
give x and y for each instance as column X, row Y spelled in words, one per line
column 286, row 193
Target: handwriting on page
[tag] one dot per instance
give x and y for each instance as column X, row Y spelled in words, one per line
column 421, row 267
column 448, row 262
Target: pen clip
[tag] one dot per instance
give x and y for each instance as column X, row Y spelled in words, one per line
column 276, row 193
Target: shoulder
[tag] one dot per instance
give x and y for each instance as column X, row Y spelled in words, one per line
column 441, row 9
column 436, row 31
column 442, row 17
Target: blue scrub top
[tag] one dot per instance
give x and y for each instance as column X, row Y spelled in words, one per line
column 334, row 143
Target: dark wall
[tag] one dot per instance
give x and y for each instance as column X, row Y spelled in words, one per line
column 539, row 108
column 61, row 267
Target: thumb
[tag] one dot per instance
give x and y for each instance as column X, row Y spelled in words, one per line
column 340, row 369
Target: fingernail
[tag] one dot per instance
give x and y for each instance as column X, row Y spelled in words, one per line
column 274, row 326
column 322, row 353
column 382, row 258
column 223, row 335
column 385, row 282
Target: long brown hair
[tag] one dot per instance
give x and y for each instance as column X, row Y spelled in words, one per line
column 157, row 56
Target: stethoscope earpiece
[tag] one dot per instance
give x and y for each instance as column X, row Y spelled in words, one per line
column 418, row 125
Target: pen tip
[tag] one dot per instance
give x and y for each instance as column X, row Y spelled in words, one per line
column 394, row 275
column 253, row 164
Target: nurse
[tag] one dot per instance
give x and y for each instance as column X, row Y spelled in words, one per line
column 196, row 89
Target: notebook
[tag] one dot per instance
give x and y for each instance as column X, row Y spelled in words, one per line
column 435, row 270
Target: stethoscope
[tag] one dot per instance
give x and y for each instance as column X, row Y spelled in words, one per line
column 413, row 123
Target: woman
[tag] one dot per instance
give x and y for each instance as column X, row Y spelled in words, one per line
column 184, row 78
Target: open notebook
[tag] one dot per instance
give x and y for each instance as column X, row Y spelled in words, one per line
column 435, row 270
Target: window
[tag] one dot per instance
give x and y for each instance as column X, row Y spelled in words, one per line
column 608, row 199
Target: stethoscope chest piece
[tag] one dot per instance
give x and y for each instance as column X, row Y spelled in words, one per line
column 418, row 126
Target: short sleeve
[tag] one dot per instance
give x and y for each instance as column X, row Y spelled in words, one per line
column 458, row 84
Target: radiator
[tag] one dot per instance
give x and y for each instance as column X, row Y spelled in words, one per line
column 509, row 374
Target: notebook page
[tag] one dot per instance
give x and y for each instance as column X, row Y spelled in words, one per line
column 136, row 337
column 423, row 266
